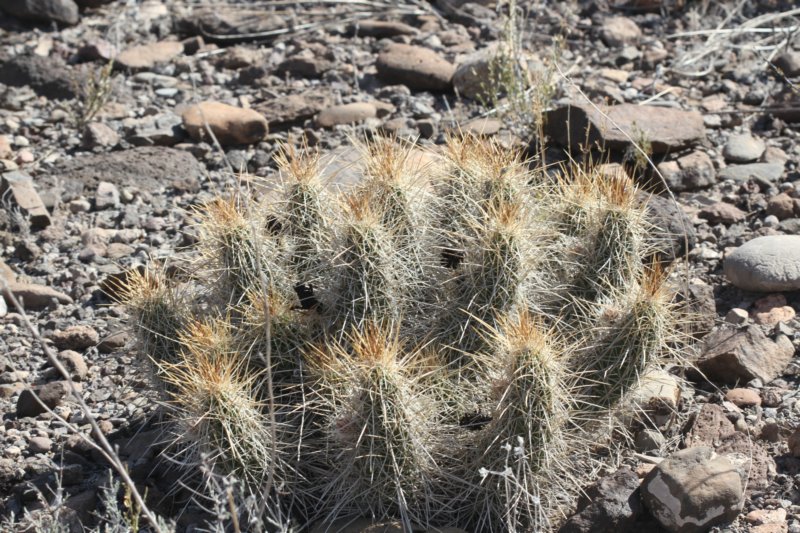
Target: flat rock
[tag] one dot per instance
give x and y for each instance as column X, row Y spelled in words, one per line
column 766, row 264
column 47, row 76
column 147, row 56
column 61, row 11
column 722, row 213
column 612, row 504
column 36, row 297
column 231, row 125
column 693, row 490
column 616, row 127
column 294, row 108
column 221, row 24
column 765, row 172
column 743, row 148
column 732, row 357
column 144, row 168
column 414, row 66
column 346, row 114
column 165, row 129
column 17, row 187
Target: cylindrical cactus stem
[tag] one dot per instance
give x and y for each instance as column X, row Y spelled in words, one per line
column 496, row 271
column 382, row 431
column 271, row 327
column 525, row 441
column 608, row 245
column 372, row 282
column 403, row 200
column 236, row 252
column 529, row 389
column 634, row 335
column 214, row 396
column 305, row 217
column 158, row 312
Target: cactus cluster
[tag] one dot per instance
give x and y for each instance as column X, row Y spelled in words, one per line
column 435, row 344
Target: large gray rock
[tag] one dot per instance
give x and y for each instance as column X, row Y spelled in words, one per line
column 732, row 357
column 673, row 234
column 617, row 127
column 764, row 172
column 766, row 264
column 743, row 148
column 47, row 76
column 693, row 490
column 145, row 168
column 61, row 11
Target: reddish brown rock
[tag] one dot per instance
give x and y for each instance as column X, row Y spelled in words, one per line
column 77, row 337
column 230, row 125
column 722, row 213
column 18, row 188
column 761, row 465
column 710, row 427
column 35, row 297
column 739, row 356
column 147, row 56
column 414, row 66
column 743, row 397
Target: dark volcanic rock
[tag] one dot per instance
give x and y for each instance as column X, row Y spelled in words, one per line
column 673, row 232
column 62, row 11
column 613, row 504
column 47, row 76
column 147, row 168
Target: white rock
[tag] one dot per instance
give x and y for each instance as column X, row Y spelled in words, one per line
column 766, row 264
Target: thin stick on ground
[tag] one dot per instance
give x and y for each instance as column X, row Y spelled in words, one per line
column 102, row 443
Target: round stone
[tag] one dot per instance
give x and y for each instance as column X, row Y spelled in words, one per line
column 743, row 148
column 766, row 264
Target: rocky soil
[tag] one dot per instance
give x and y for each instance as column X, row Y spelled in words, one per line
column 102, row 162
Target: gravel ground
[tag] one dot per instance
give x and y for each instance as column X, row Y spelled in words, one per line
column 102, row 163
